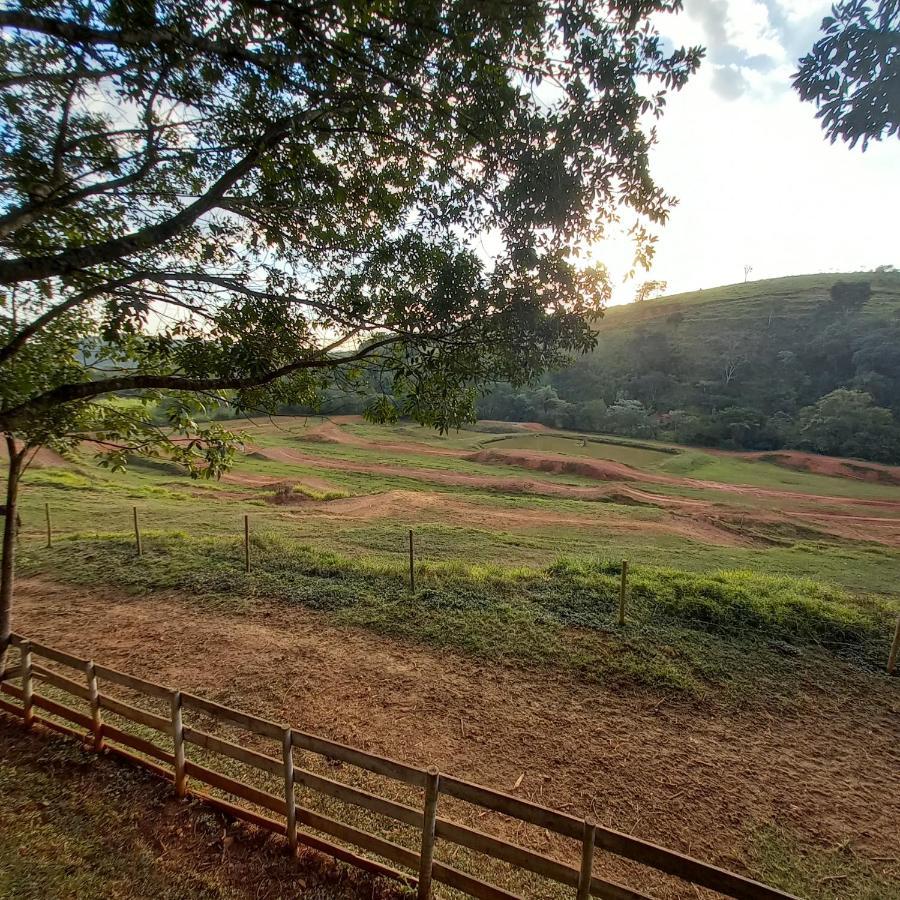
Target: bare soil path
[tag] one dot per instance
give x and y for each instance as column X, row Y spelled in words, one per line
column 697, row 778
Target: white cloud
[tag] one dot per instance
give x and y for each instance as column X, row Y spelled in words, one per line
column 757, row 181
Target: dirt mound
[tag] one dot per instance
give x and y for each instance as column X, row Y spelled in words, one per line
column 43, row 459
column 602, row 470
column 515, row 426
column 831, row 465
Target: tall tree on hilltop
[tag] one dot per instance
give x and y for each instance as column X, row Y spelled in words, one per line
column 247, row 197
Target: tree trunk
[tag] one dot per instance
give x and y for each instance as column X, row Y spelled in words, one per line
column 8, row 563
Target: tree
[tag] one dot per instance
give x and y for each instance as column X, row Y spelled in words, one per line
column 650, row 289
column 248, row 201
column 853, row 71
column 747, row 270
column 848, row 423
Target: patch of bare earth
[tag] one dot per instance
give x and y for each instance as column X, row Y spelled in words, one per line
column 697, row 778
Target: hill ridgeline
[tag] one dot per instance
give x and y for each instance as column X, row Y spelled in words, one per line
column 807, row 362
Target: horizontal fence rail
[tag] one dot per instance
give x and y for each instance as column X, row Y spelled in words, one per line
column 421, row 866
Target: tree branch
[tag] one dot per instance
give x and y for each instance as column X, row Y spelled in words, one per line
column 13, row 271
column 69, row 393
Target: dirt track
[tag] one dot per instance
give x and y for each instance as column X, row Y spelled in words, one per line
column 696, row 779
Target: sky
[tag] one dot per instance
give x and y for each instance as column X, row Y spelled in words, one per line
column 757, row 181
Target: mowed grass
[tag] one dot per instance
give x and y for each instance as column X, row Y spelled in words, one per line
column 516, row 577
column 686, row 632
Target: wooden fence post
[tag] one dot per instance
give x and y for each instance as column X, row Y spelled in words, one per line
column 94, row 698
column 49, row 525
column 426, row 853
column 289, row 798
column 137, row 533
column 895, row 649
column 623, row 587
column 412, row 563
column 246, row 543
column 178, row 745
column 27, row 684
column 587, row 861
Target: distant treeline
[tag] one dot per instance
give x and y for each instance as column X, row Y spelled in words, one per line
column 817, row 370
column 823, row 377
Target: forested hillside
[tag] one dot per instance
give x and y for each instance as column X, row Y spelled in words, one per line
column 811, row 362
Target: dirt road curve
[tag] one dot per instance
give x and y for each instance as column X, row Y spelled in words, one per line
column 696, row 779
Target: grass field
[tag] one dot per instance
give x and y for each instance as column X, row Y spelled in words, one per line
column 519, row 541
column 755, row 591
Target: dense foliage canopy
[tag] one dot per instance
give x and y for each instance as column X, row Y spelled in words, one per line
column 852, row 73
column 250, row 200
column 207, row 197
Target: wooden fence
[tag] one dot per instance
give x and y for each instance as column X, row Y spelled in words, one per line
column 421, row 868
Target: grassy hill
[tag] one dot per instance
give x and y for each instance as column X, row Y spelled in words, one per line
column 751, row 302
column 744, row 366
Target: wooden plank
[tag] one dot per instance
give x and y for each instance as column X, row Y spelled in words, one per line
column 587, row 862
column 11, row 708
column 27, row 685
column 63, row 711
column 359, row 797
column 157, row 770
column 686, row 867
column 136, row 684
column 381, row 765
column 497, row 848
column 132, row 713
column 238, row 788
column 567, row 826
column 429, row 815
column 624, row 845
column 12, row 689
column 178, row 746
column 469, row 884
column 343, row 832
column 94, row 700
column 110, row 732
column 244, row 720
column 233, row 751
column 290, row 798
column 65, row 659
column 609, row 890
column 316, row 843
column 60, row 681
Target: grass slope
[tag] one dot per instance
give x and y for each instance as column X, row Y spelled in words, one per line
column 748, row 304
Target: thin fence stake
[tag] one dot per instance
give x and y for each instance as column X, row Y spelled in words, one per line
column 289, row 798
column 426, row 853
column 137, row 533
column 178, row 745
column 587, row 861
column 94, row 698
column 49, row 525
column 27, row 684
column 246, row 543
column 412, row 563
column 895, row 649
column 623, row 587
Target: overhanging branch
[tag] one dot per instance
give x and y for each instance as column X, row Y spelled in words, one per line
column 70, row 393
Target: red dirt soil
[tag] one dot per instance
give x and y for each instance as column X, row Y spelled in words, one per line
column 830, row 515
column 697, row 778
column 424, row 506
column 557, row 464
column 834, row 466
